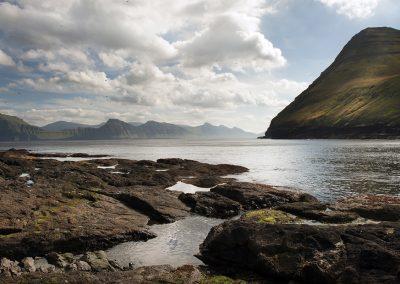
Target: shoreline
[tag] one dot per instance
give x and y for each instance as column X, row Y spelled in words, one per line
column 85, row 206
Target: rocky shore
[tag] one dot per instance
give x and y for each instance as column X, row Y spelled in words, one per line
column 56, row 218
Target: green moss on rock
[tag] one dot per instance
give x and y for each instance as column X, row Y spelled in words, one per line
column 270, row 216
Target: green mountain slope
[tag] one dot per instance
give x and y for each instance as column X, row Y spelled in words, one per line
column 358, row 96
column 13, row 128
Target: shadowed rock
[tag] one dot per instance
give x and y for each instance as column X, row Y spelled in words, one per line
column 257, row 196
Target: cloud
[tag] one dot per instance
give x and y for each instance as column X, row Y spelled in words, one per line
column 231, row 42
column 5, row 59
column 181, row 57
column 353, row 8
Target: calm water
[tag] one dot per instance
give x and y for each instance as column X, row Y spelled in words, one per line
column 328, row 169
column 325, row 168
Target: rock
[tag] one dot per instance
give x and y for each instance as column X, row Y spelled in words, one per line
column 375, row 207
column 28, row 263
column 311, row 254
column 9, row 267
column 42, row 265
column 166, row 274
column 97, row 260
column 71, row 267
column 318, row 212
column 151, row 274
column 57, row 260
column 210, row 204
column 83, row 265
column 206, row 181
column 162, row 206
column 258, row 196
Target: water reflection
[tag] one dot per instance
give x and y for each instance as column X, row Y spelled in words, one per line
column 175, row 244
column 326, row 168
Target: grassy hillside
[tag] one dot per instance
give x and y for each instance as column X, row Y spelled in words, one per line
column 357, row 96
column 13, row 128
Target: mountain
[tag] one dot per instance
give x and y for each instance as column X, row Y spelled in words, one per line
column 358, row 96
column 211, row 131
column 15, row 129
column 65, row 125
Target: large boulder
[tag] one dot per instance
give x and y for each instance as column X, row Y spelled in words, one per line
column 258, row 196
column 312, row 254
column 210, row 204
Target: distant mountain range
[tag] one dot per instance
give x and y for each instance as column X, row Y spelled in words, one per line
column 15, row 129
column 358, row 96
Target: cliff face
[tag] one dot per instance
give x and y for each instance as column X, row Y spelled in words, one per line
column 358, row 96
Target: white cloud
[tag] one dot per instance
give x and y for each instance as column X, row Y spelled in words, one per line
column 5, row 59
column 186, row 57
column 353, row 8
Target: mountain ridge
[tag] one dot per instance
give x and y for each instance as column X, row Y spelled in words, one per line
column 13, row 128
column 357, row 96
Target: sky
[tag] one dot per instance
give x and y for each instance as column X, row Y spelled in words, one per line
column 231, row 62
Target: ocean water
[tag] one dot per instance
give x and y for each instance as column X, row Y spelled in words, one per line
column 328, row 169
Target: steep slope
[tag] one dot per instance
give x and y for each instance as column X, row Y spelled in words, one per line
column 358, row 96
column 66, row 125
column 13, row 128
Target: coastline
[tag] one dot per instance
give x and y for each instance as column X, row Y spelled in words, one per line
column 72, row 210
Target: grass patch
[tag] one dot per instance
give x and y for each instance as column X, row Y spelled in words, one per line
column 270, row 216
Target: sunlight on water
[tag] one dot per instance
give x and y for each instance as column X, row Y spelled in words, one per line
column 176, row 244
column 326, row 168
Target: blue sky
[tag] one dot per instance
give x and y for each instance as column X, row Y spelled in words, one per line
column 232, row 62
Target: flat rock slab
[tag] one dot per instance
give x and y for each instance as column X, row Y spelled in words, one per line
column 45, row 219
column 210, row 204
column 161, row 205
column 257, row 196
column 375, row 207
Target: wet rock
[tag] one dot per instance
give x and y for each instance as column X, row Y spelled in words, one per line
column 161, row 205
column 206, row 181
column 97, row 260
column 210, row 204
column 258, row 196
column 28, row 264
column 375, row 207
column 312, row 254
column 318, row 212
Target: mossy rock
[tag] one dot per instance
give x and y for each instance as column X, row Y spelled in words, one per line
column 270, row 216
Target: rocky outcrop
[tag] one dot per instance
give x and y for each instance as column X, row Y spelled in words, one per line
column 313, row 254
column 47, row 205
column 256, row 196
column 210, row 204
column 308, row 242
